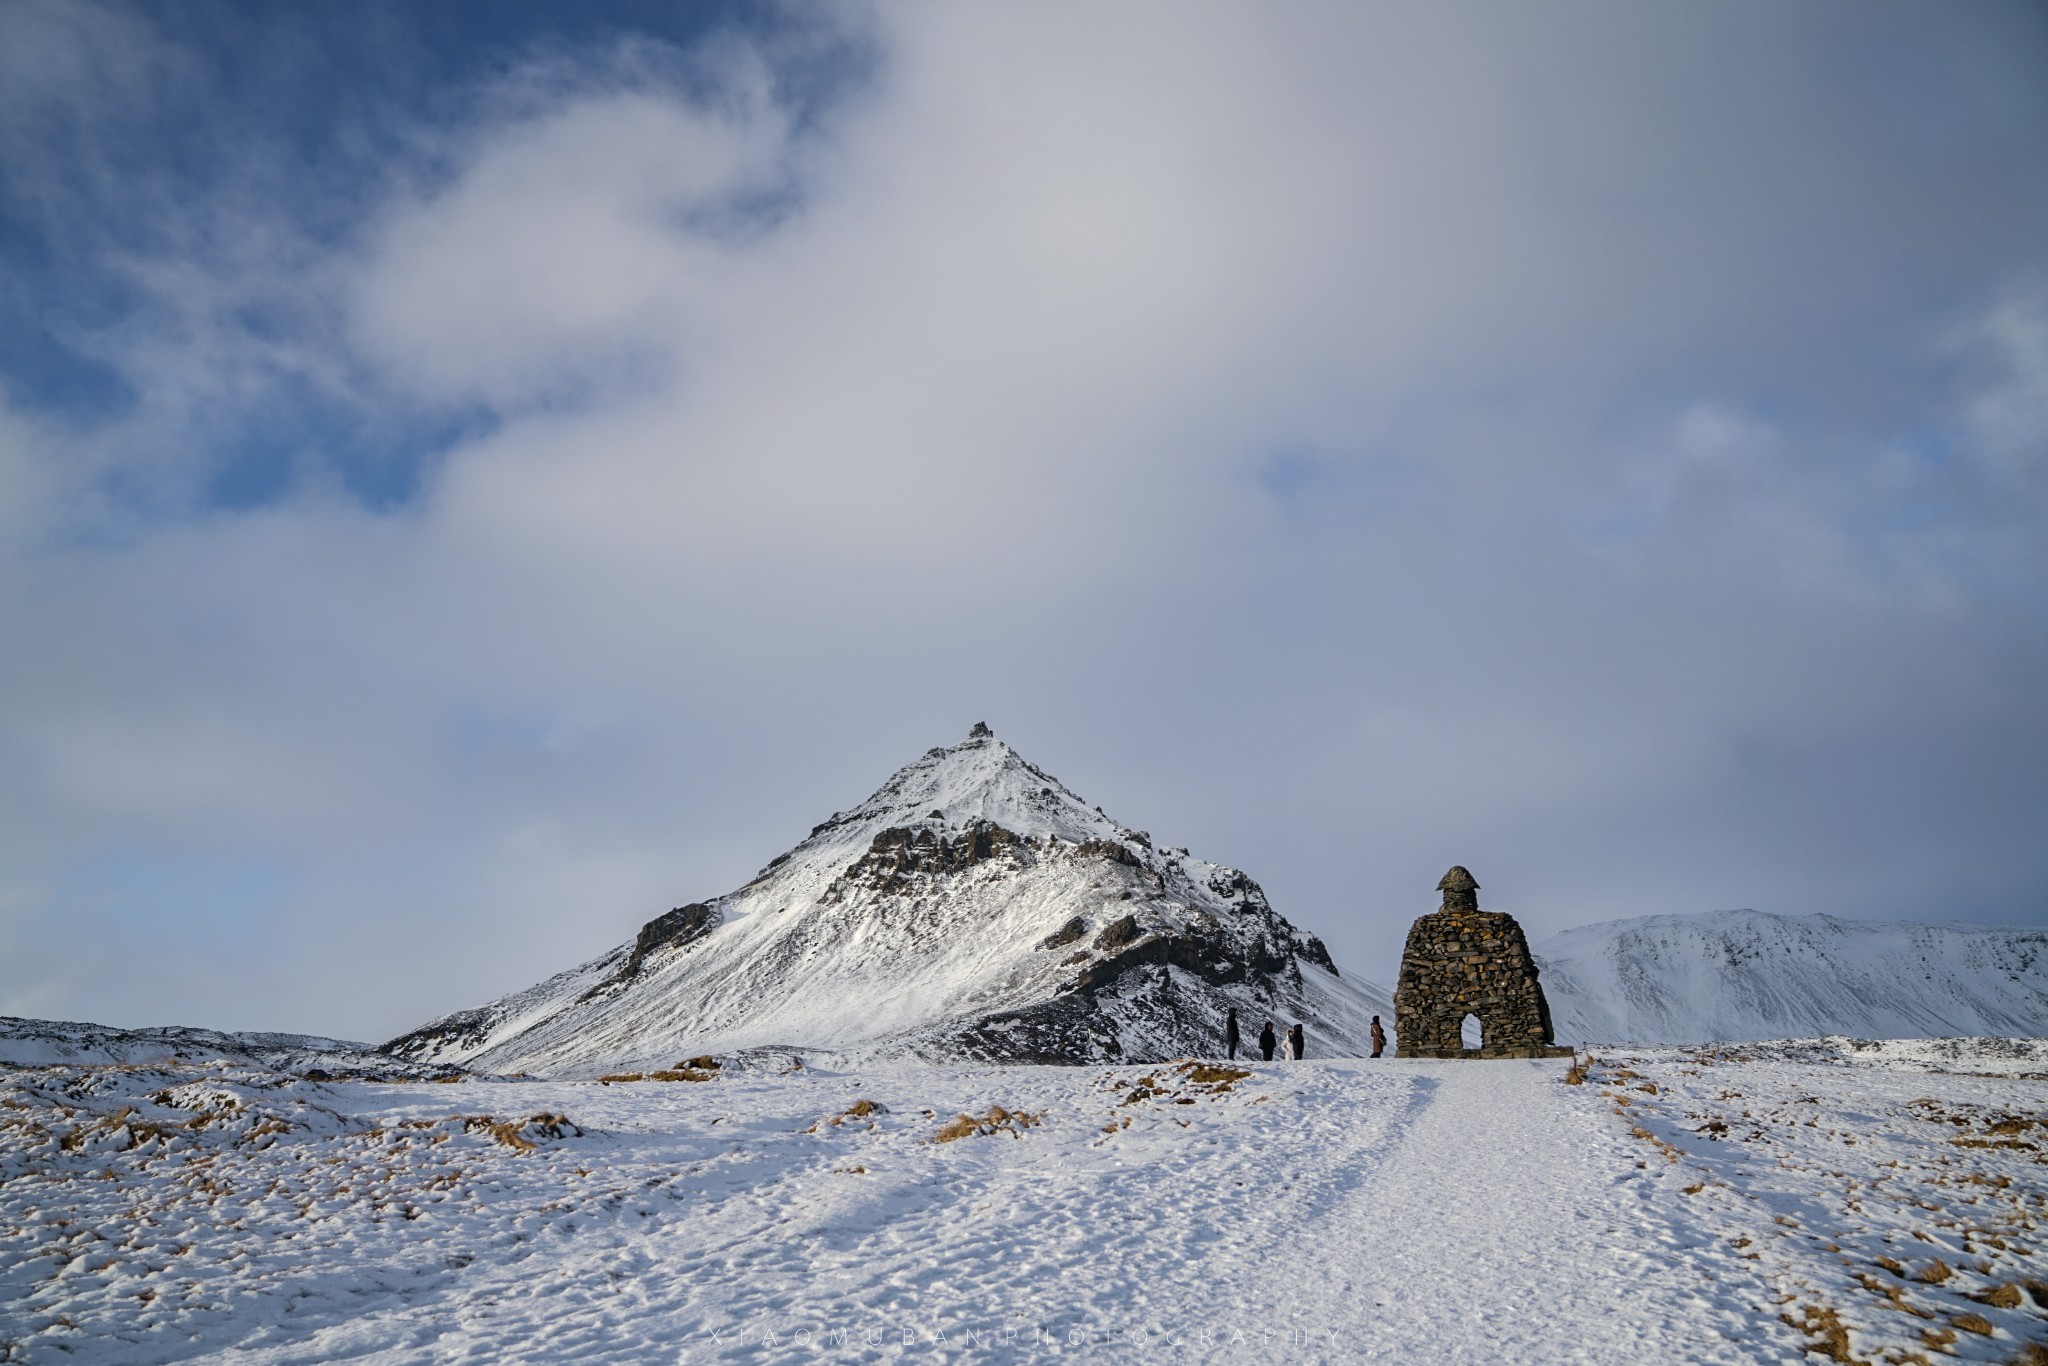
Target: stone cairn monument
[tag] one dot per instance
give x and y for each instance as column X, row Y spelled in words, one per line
column 1463, row 961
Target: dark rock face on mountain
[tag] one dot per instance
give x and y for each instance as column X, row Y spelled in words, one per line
column 1463, row 961
column 900, row 855
column 973, row 908
column 681, row 926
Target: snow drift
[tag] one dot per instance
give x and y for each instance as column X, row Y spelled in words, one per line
column 1748, row 975
column 972, row 908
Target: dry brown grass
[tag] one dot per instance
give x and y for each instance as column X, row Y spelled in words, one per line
column 1202, row 1074
column 1999, row 1296
column 511, row 1133
column 996, row 1121
column 1671, row 1154
column 1935, row 1272
column 1830, row 1335
column 1894, row 1295
column 508, row 1134
column 859, row 1110
column 1973, row 1323
column 687, row 1072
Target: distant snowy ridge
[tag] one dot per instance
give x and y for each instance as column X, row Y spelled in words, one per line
column 43, row 1042
column 972, row 908
column 1749, row 975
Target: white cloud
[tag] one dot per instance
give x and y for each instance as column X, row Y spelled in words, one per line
column 2009, row 413
column 573, row 248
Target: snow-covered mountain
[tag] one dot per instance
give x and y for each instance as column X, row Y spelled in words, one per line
column 972, row 907
column 1744, row 975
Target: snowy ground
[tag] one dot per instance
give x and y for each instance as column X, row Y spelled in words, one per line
column 1678, row 1206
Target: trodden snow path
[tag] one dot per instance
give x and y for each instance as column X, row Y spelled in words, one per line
column 1512, row 1221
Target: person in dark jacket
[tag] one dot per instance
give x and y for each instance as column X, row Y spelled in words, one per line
column 1297, row 1043
column 1230, row 1034
column 1379, row 1037
column 1266, row 1041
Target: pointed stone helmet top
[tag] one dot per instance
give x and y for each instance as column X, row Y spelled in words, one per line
column 1457, row 880
column 980, row 729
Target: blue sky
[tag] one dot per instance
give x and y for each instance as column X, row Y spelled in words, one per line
column 475, row 476
column 148, row 147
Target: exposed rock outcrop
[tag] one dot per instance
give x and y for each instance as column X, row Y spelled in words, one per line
column 1065, row 934
column 683, row 925
column 899, row 856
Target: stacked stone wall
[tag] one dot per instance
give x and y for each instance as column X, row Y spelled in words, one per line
column 1463, row 961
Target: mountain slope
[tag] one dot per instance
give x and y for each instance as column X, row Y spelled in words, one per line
column 1742, row 975
column 972, row 907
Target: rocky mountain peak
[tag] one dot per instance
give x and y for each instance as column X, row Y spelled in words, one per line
column 971, row 906
column 981, row 779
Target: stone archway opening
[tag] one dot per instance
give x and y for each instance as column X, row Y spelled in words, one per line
column 1471, row 1033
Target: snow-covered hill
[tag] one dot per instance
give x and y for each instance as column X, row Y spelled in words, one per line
column 33, row 1043
column 972, row 907
column 1743, row 975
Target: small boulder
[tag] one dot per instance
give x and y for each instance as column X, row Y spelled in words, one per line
column 1118, row 933
column 1065, row 934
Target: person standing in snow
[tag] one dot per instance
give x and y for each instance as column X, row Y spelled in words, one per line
column 1230, row 1034
column 1379, row 1037
column 1297, row 1043
column 1266, row 1041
